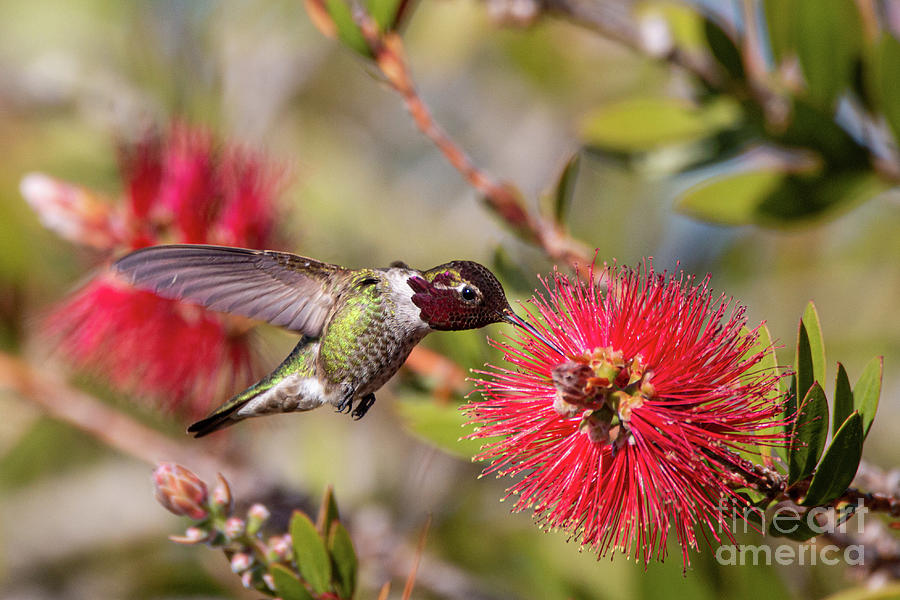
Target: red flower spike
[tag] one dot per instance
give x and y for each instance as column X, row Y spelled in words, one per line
column 633, row 434
column 180, row 188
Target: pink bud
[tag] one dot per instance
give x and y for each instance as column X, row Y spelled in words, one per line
column 193, row 535
column 256, row 516
column 233, row 528
column 269, row 581
column 180, row 491
column 240, row 562
column 221, row 496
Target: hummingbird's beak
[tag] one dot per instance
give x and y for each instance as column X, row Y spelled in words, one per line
column 510, row 317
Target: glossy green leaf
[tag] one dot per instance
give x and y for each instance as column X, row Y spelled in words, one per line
column 310, row 553
column 814, row 128
column 642, row 124
column 724, row 49
column 565, row 188
column 730, row 199
column 810, row 433
column 347, row 29
column 440, row 424
column 768, row 364
column 344, row 559
column 287, row 585
column 328, row 513
column 828, row 40
column 843, row 399
column 779, row 25
column 794, row 527
column 883, row 75
column 773, row 198
column 809, row 359
column 839, row 465
column 867, row 391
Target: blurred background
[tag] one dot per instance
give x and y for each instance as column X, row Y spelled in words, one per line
column 662, row 139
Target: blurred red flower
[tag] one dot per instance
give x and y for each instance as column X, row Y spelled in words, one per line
column 634, row 432
column 179, row 188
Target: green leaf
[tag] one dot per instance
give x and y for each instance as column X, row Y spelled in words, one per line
column 779, row 24
column 829, row 40
column 883, row 76
column 328, row 513
column 731, row 199
column 843, row 399
column 287, row 585
column 440, row 424
column 794, row 527
column 643, row 124
column 809, row 360
column 768, row 364
column 565, row 188
column 347, row 29
column 839, row 464
column 344, row 558
column 815, row 128
column 773, row 198
column 763, row 343
column 867, row 391
column 388, row 13
column 724, row 49
column 810, row 432
column 312, row 558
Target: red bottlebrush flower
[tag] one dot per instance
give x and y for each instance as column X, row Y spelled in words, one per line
column 180, row 188
column 180, row 491
column 633, row 433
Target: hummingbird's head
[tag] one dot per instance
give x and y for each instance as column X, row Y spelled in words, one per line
column 459, row 295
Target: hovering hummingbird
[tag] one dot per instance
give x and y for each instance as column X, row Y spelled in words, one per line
column 358, row 325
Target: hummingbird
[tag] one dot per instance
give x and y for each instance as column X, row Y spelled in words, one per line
column 357, row 326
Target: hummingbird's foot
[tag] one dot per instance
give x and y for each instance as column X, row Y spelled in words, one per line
column 363, row 407
column 346, row 402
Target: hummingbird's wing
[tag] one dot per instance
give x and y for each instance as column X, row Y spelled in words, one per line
column 283, row 289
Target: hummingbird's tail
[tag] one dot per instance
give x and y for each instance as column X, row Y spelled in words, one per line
column 215, row 421
column 277, row 392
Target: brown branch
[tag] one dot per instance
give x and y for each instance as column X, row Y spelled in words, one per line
column 503, row 198
column 774, row 485
column 54, row 395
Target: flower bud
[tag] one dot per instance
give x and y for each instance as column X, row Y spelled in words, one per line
column 280, row 549
column 247, row 579
column 233, row 528
column 221, row 501
column 193, row 535
column 240, row 562
column 180, row 491
column 256, row 516
column 269, row 581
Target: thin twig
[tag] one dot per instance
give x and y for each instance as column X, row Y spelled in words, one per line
column 117, row 430
column 503, row 198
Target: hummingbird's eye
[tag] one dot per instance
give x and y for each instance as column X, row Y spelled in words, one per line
column 468, row 294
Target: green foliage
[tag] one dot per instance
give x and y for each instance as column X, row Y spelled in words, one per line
column 310, row 552
column 809, row 435
column 287, row 584
column 809, row 360
column 441, row 424
column 642, row 124
column 867, row 391
column 828, row 38
column 344, row 562
column 838, row 466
